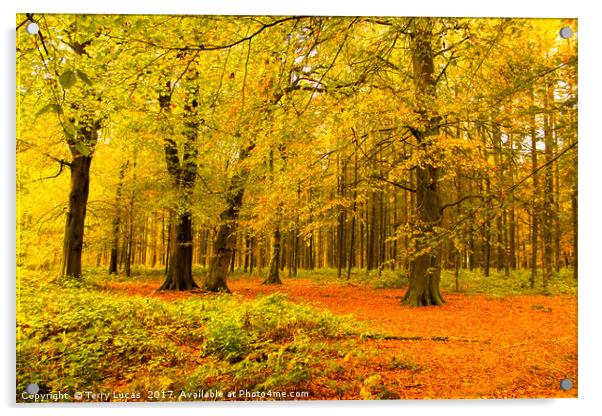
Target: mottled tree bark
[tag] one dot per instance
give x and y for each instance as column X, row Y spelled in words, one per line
column 76, row 216
column 183, row 174
column 82, row 146
column 274, row 268
column 425, row 267
column 225, row 240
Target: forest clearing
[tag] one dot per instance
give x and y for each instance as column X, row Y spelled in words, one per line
column 295, row 208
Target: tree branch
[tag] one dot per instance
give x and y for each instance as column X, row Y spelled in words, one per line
column 401, row 185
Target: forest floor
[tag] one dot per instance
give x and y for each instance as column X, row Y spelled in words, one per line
column 474, row 346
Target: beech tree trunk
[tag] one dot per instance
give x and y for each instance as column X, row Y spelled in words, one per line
column 425, row 267
column 116, row 222
column 225, row 240
column 353, row 214
column 574, row 211
column 535, row 204
column 183, row 173
column 76, row 216
column 274, row 269
column 179, row 271
column 274, row 266
column 81, row 144
column 548, row 197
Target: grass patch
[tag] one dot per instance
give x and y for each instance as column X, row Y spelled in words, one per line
column 517, row 283
column 497, row 285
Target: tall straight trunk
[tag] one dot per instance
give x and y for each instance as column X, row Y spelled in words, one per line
column 273, row 272
column 511, row 217
column 405, row 215
column 425, row 267
column 457, row 263
column 163, row 250
column 127, row 267
column 505, row 243
column 512, row 261
column 76, row 216
column 502, row 220
column 557, row 228
column 225, row 239
column 471, row 240
column 182, row 170
column 82, row 146
column 500, row 242
column 233, row 259
column 168, row 243
column 394, row 227
column 295, row 256
column 548, row 197
column 574, row 211
column 143, row 242
column 130, row 236
column 487, row 233
column 353, row 214
column 535, row 204
column 311, row 253
column 371, row 232
column 117, row 221
column 247, row 252
column 154, row 241
column 341, row 223
column 486, row 229
column 251, row 255
column 383, row 232
column 277, row 246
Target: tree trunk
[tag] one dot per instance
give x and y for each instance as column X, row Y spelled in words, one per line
column 130, row 237
column 548, row 199
column 535, row 205
column 76, row 217
column 512, row 233
column 179, row 272
column 425, row 267
column 225, row 240
column 116, row 221
column 371, row 232
column 274, row 268
column 574, row 210
column 341, row 223
column 183, row 174
column 353, row 214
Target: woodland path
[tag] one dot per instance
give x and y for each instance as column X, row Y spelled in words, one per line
column 473, row 346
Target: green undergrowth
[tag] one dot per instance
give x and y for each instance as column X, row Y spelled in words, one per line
column 469, row 282
column 517, row 283
column 76, row 337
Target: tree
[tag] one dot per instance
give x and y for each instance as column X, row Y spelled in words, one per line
column 182, row 169
column 117, row 221
column 425, row 267
column 225, row 240
column 402, row 144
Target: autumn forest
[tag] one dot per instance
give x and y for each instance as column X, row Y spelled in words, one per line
column 301, row 207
